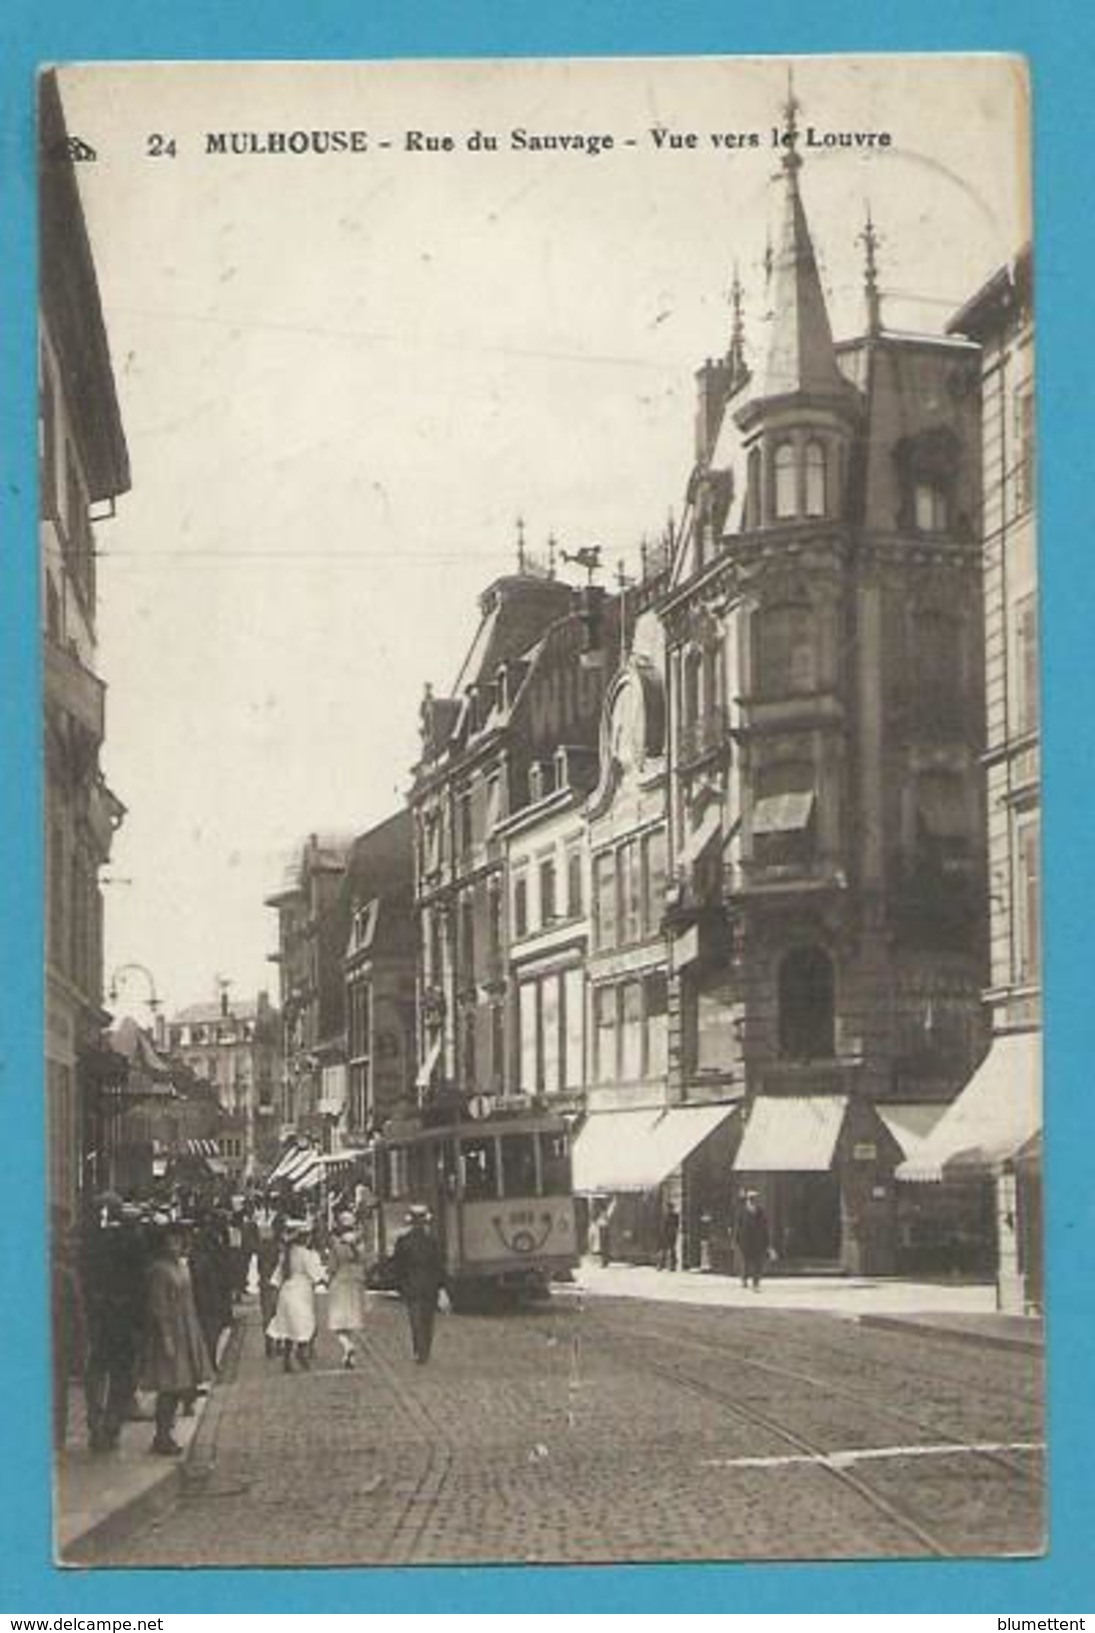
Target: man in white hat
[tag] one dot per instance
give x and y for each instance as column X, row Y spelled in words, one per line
column 420, row 1276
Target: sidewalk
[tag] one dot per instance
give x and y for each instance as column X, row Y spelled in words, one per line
column 95, row 1494
column 962, row 1311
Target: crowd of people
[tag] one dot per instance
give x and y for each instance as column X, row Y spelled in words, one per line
column 144, row 1297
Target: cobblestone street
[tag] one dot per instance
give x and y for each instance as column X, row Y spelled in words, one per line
column 605, row 1429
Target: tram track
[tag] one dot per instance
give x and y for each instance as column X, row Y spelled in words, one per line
column 422, row 1501
column 933, row 1375
column 816, row 1383
column 825, row 1460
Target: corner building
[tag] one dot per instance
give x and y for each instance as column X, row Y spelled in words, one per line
column 824, row 663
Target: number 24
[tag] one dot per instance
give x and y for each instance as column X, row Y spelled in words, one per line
column 160, row 147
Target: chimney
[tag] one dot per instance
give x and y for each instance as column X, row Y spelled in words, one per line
column 713, row 382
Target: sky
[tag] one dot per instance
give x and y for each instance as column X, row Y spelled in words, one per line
column 343, row 377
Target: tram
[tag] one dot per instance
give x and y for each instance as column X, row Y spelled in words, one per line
column 498, row 1187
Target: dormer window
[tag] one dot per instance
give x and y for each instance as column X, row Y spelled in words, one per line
column 816, row 484
column 786, row 481
column 929, row 508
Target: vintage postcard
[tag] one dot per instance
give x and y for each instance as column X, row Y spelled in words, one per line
column 539, row 614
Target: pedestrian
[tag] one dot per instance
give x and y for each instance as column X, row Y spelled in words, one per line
column 269, row 1254
column 345, row 1287
column 112, row 1278
column 237, row 1267
column 298, row 1274
column 175, row 1360
column 206, row 1259
column 249, row 1233
column 602, row 1232
column 752, row 1238
column 667, row 1238
column 420, row 1276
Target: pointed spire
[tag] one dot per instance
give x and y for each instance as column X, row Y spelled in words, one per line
column 869, row 239
column 800, row 351
column 522, row 559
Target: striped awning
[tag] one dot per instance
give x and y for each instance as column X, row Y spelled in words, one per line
column 288, row 1156
column 299, row 1162
column 201, row 1148
column 307, row 1174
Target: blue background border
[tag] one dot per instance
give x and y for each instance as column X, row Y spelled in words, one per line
column 1059, row 38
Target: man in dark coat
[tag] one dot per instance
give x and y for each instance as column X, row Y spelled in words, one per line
column 420, row 1275
column 112, row 1277
column 751, row 1233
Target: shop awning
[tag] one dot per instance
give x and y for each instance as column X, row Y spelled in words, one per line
column 1029, row 1155
column 426, row 1070
column 308, row 1176
column 297, row 1164
column 791, row 1134
column 783, row 813
column 202, row 1148
column 996, row 1114
column 336, row 1162
column 637, row 1150
column 912, row 1124
column 287, row 1157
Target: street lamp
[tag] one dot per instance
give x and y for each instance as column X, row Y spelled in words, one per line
column 122, row 971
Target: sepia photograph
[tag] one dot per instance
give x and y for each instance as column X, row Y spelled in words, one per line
column 540, row 718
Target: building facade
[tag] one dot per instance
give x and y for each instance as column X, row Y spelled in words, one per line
column 83, row 468
column 824, row 633
column 377, row 907
column 524, row 709
column 311, row 948
column 547, row 923
column 991, row 1139
column 235, row 1045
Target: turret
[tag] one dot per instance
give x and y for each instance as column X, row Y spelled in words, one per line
column 797, row 419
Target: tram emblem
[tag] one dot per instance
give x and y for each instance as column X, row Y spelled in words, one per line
column 523, row 1233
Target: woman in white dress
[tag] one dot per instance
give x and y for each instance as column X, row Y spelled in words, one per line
column 297, row 1276
column 346, row 1270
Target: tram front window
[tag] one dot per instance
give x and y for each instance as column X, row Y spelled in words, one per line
column 480, row 1169
column 555, row 1164
column 518, row 1165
